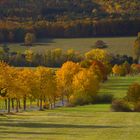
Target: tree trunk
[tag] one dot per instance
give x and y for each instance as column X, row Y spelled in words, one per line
column 62, row 99
column 9, row 109
column 24, row 103
column 13, row 106
column 30, row 102
column 5, row 104
column 37, row 102
column 138, row 60
column 17, row 105
column 54, row 102
column 41, row 104
column 45, row 104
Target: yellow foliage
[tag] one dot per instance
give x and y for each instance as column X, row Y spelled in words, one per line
column 65, row 77
column 98, row 54
column 86, row 82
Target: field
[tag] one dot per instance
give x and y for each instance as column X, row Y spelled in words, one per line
column 119, row 45
column 91, row 122
column 118, row 86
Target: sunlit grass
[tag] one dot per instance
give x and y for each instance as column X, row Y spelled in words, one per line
column 118, row 86
column 93, row 122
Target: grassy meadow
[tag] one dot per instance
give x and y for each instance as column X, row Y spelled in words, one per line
column 118, row 86
column 116, row 45
column 91, row 122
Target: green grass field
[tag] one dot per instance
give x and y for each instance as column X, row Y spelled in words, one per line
column 93, row 122
column 118, row 86
column 122, row 45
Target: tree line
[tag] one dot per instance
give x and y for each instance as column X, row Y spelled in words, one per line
column 14, row 31
column 47, row 86
column 72, row 84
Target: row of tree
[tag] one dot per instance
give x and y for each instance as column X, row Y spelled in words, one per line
column 14, row 31
column 125, row 69
column 48, row 86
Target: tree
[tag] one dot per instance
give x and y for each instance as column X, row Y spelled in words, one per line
column 8, row 82
column 46, row 85
column 29, row 56
column 27, row 79
column 120, row 70
column 133, row 94
column 85, row 87
column 65, row 78
column 99, row 55
column 101, row 67
column 29, row 39
column 100, row 44
column 136, row 48
column 135, row 68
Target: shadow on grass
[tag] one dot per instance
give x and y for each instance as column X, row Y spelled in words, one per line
column 40, row 43
column 43, row 125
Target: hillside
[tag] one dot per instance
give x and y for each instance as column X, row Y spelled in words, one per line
column 68, row 18
column 70, row 9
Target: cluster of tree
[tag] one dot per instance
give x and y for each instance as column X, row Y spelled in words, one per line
column 46, row 86
column 121, row 70
column 125, row 69
column 14, row 31
column 49, row 58
column 120, row 59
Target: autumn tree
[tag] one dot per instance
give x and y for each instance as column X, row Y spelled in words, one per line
column 8, row 82
column 133, row 95
column 65, row 78
column 85, row 87
column 28, row 84
column 101, row 67
column 46, row 85
column 29, row 39
column 99, row 55
column 29, row 56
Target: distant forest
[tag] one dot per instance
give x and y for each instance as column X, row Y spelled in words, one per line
column 68, row 18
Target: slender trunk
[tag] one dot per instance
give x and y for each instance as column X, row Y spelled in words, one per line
column 5, row 104
column 62, row 99
column 68, row 99
column 24, row 103
column 37, row 102
column 45, row 104
column 17, row 105
column 54, row 102
column 30, row 102
column 50, row 105
column 13, row 106
column 41, row 104
column 9, row 109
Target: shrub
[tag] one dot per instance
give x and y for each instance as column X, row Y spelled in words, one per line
column 80, row 100
column 120, row 105
column 103, row 98
column 137, row 107
column 133, row 94
column 100, row 44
